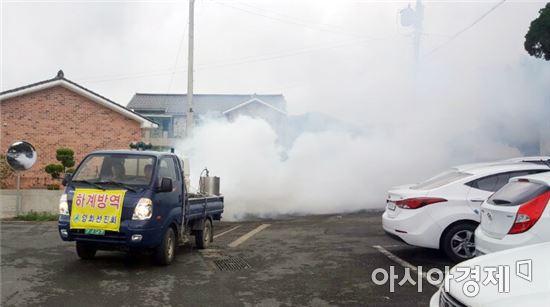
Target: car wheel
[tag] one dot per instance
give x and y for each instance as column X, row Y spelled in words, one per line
column 203, row 237
column 164, row 254
column 458, row 242
column 85, row 250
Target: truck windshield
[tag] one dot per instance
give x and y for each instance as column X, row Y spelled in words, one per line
column 116, row 168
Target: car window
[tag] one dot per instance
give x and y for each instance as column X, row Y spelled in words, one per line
column 502, row 180
column 167, row 169
column 440, row 180
column 516, row 193
column 495, row 182
column 126, row 169
column 487, row 183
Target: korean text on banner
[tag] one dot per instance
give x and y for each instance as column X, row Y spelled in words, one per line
column 97, row 209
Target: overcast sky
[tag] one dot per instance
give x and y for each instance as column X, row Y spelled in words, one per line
column 326, row 56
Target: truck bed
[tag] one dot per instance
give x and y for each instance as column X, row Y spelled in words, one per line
column 201, row 206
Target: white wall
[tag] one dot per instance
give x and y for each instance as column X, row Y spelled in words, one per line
column 31, row 200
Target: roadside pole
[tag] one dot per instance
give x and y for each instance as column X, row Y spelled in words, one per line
column 21, row 156
column 18, row 198
column 417, row 26
column 190, row 117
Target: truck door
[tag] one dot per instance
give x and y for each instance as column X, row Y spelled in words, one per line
column 170, row 202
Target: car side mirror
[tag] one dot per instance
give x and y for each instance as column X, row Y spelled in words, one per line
column 165, row 185
column 67, row 178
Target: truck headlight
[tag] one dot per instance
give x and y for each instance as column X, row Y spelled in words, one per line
column 143, row 210
column 63, row 205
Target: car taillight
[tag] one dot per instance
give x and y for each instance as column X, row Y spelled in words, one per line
column 529, row 213
column 418, row 202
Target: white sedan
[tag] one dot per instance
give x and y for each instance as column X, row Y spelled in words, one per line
column 515, row 215
column 443, row 212
column 510, row 278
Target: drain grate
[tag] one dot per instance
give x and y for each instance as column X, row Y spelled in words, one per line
column 232, row 264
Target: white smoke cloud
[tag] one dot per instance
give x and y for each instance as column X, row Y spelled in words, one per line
column 323, row 172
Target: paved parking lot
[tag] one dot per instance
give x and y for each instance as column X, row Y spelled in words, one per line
column 306, row 261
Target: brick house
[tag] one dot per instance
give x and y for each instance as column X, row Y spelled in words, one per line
column 60, row 113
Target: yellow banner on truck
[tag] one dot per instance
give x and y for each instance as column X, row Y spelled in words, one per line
column 97, row 209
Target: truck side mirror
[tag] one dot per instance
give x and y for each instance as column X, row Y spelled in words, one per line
column 165, row 185
column 67, row 178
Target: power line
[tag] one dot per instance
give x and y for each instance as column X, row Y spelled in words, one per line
column 240, row 61
column 318, row 25
column 183, row 36
column 293, row 21
column 457, row 34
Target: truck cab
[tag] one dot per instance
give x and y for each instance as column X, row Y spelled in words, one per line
column 134, row 201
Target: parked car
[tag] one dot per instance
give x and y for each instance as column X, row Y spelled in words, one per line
column 515, row 215
column 443, row 212
column 523, row 283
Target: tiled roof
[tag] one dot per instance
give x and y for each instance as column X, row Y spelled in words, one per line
column 60, row 79
column 202, row 103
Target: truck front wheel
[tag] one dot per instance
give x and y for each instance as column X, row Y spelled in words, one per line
column 164, row 254
column 85, row 250
column 203, row 237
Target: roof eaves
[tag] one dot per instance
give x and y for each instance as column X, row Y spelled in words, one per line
column 249, row 102
column 61, row 78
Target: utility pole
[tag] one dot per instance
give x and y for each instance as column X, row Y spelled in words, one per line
column 414, row 19
column 417, row 26
column 190, row 116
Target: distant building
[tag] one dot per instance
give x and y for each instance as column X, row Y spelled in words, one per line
column 60, row 113
column 169, row 110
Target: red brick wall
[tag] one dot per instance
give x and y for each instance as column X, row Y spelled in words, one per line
column 57, row 117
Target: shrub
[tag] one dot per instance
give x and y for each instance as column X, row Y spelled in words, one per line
column 6, row 173
column 54, row 170
column 37, row 216
column 53, row 186
column 66, row 157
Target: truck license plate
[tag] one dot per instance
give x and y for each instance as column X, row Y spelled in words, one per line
column 97, row 232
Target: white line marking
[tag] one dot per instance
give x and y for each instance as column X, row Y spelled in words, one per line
column 393, row 245
column 402, row 262
column 229, row 230
column 248, row 235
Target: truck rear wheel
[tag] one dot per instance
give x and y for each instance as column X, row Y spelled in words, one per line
column 164, row 254
column 85, row 250
column 203, row 237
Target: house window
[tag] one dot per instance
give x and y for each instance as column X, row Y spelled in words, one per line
column 165, row 125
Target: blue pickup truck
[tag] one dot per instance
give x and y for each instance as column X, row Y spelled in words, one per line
column 134, row 201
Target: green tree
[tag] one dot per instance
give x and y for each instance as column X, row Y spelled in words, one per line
column 537, row 39
column 66, row 157
column 54, row 170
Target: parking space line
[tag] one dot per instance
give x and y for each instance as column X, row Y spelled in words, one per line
column 248, row 235
column 227, row 231
column 402, row 262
